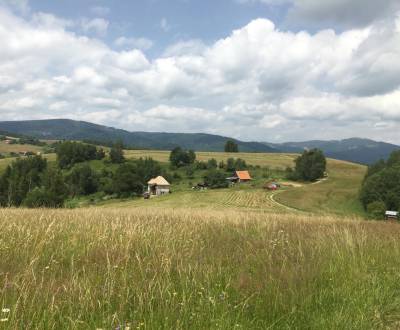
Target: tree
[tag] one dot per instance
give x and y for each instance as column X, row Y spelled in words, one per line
column 180, row 157
column 71, row 153
column 237, row 164
column 383, row 186
column 21, row 177
column 83, row 180
column 147, row 168
column 311, row 165
column 231, row 146
column 117, row 153
column 126, row 181
column 52, row 193
column 216, row 179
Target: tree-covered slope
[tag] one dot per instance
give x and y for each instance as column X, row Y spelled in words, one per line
column 79, row 130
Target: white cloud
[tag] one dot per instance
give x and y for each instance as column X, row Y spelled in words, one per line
column 333, row 13
column 97, row 26
column 257, row 83
column 139, row 43
column 20, row 5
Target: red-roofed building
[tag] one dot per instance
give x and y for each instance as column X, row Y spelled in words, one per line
column 240, row 176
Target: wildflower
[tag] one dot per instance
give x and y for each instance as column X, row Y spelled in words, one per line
column 5, row 310
column 4, row 320
column 175, row 293
column 47, row 267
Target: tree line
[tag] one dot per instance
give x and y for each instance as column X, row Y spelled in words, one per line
column 380, row 189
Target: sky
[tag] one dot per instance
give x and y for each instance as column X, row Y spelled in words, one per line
column 257, row 70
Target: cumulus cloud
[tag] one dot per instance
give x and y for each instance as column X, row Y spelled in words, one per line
column 140, row 43
column 20, row 5
column 258, row 83
column 333, row 13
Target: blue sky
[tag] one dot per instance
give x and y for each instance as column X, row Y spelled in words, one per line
column 164, row 21
column 266, row 70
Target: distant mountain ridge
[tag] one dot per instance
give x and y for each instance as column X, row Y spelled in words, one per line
column 65, row 129
column 356, row 150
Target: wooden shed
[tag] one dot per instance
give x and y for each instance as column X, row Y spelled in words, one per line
column 158, row 186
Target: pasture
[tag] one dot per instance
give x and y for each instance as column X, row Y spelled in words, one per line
column 217, row 259
column 7, row 148
column 149, row 268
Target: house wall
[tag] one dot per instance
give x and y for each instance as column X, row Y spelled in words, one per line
column 162, row 190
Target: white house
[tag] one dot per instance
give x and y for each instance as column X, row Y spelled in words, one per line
column 158, row 186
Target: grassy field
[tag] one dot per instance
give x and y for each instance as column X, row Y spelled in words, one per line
column 261, row 159
column 216, row 259
column 338, row 194
column 7, row 148
column 147, row 268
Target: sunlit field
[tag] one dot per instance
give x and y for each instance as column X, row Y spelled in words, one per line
column 262, row 159
column 193, row 269
column 237, row 258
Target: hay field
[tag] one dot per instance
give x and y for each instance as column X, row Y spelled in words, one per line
column 164, row 269
column 262, row 159
column 7, row 148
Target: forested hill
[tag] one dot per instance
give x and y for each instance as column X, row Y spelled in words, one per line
column 79, row 130
column 355, row 150
column 363, row 151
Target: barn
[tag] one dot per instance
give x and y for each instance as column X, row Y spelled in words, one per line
column 158, row 186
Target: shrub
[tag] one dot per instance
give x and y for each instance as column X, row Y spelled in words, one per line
column 376, row 210
column 216, row 179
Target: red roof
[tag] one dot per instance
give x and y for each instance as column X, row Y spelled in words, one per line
column 243, row 175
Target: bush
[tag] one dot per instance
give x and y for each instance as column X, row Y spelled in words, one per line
column 216, row 179
column 212, row 164
column 376, row 210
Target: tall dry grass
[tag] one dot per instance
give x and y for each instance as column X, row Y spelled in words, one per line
column 154, row 269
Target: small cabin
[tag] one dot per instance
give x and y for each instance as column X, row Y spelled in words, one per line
column 240, row 176
column 158, row 186
column 392, row 215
